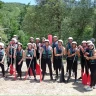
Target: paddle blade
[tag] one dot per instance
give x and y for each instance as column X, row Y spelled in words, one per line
column 11, row 69
column 38, row 71
column 84, row 79
column 50, row 38
column 30, row 71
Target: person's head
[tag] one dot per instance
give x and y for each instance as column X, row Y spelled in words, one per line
column 88, row 42
column 55, row 38
column 43, row 39
column 31, row 39
column 29, row 46
column 1, row 45
column 70, row 39
column 60, row 42
column 37, row 40
column 84, row 43
column 91, row 46
column 13, row 40
column 15, row 36
column 74, row 44
column 47, row 42
column 19, row 46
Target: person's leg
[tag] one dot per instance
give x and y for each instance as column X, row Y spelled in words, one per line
column 75, row 69
column 43, row 68
column 33, row 70
column 3, row 70
column 50, row 68
column 27, row 63
column 70, row 62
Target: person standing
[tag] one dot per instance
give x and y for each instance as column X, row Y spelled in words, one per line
column 30, row 54
column 92, row 60
column 58, row 52
column 47, row 58
column 73, row 54
column 19, row 56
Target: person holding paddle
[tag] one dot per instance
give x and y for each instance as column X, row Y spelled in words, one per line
column 2, row 57
column 19, row 56
column 30, row 54
column 92, row 60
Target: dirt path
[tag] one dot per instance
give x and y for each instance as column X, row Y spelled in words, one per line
column 28, row 87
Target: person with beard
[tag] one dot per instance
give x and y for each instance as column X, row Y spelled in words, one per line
column 54, row 44
column 68, row 46
column 73, row 54
column 92, row 60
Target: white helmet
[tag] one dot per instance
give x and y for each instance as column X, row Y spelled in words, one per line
column 74, row 42
column 37, row 38
column 54, row 36
column 84, row 42
column 89, row 41
column 90, row 44
column 70, row 38
column 60, row 41
column 46, row 40
column 2, row 44
column 14, row 39
column 29, row 44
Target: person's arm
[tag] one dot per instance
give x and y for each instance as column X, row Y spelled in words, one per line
column 93, row 57
column 78, row 52
column 41, row 51
column 70, row 55
column 56, row 53
column 52, row 55
column 34, row 53
column 2, row 61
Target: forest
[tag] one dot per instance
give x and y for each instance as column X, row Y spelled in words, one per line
column 64, row 18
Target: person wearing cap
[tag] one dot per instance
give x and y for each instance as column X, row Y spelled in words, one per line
column 2, row 57
column 54, row 44
column 82, row 49
column 38, row 45
column 35, row 48
column 92, row 59
column 47, row 58
column 73, row 54
column 30, row 54
column 68, row 46
column 19, row 56
column 58, row 52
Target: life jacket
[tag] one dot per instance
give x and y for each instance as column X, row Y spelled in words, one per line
column 68, row 46
column 72, row 51
column 58, row 51
column 1, row 54
column 19, row 54
column 47, row 54
column 30, row 53
column 90, row 55
column 38, row 46
column 54, row 44
column 11, row 50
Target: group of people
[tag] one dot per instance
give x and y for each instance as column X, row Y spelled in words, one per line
column 51, row 55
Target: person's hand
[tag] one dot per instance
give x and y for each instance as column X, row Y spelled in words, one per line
column 86, row 57
column 86, row 54
column 19, row 63
column 10, row 56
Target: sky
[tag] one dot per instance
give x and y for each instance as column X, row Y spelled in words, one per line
column 33, row 2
